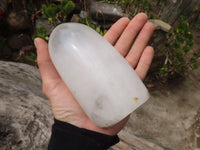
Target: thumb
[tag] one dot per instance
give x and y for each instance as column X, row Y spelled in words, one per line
column 47, row 70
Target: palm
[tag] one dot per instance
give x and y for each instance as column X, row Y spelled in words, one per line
column 121, row 35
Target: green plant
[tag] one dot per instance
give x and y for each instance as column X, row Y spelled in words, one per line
column 197, row 25
column 32, row 57
column 110, row 1
column 57, row 13
column 194, row 60
column 31, row 8
column 41, row 33
column 179, row 44
column 126, row 2
column 2, row 41
column 88, row 21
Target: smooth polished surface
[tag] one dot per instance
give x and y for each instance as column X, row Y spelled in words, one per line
column 101, row 80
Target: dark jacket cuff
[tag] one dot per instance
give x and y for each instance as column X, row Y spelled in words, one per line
column 69, row 137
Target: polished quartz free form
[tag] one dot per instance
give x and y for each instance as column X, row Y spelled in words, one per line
column 104, row 84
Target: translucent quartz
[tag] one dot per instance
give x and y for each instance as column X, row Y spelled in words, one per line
column 101, row 80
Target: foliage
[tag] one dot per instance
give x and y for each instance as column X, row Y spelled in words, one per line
column 88, row 21
column 2, row 41
column 58, row 13
column 179, row 44
column 41, row 33
column 31, row 8
column 193, row 60
column 197, row 25
column 32, row 57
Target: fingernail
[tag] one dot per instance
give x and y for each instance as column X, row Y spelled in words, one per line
column 35, row 42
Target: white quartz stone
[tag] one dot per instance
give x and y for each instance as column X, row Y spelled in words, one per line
column 101, row 80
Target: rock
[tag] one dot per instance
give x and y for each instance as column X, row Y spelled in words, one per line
column 75, row 18
column 103, row 12
column 25, row 113
column 132, row 142
column 170, row 114
column 138, row 143
column 197, row 129
column 17, row 41
column 18, row 21
column 121, row 146
column 159, row 24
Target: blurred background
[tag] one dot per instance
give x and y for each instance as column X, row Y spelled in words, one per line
column 175, row 40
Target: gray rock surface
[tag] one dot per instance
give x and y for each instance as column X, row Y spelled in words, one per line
column 103, row 12
column 25, row 113
column 172, row 116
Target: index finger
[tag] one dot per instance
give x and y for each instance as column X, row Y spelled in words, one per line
column 116, row 30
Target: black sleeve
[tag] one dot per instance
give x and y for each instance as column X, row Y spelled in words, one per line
column 69, row 137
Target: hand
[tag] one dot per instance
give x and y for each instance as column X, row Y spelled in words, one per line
column 121, row 35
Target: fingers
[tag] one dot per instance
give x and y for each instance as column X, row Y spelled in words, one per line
column 47, row 69
column 144, row 62
column 124, row 32
column 116, row 30
column 139, row 45
column 126, row 39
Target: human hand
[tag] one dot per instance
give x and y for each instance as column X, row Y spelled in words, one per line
column 121, row 35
